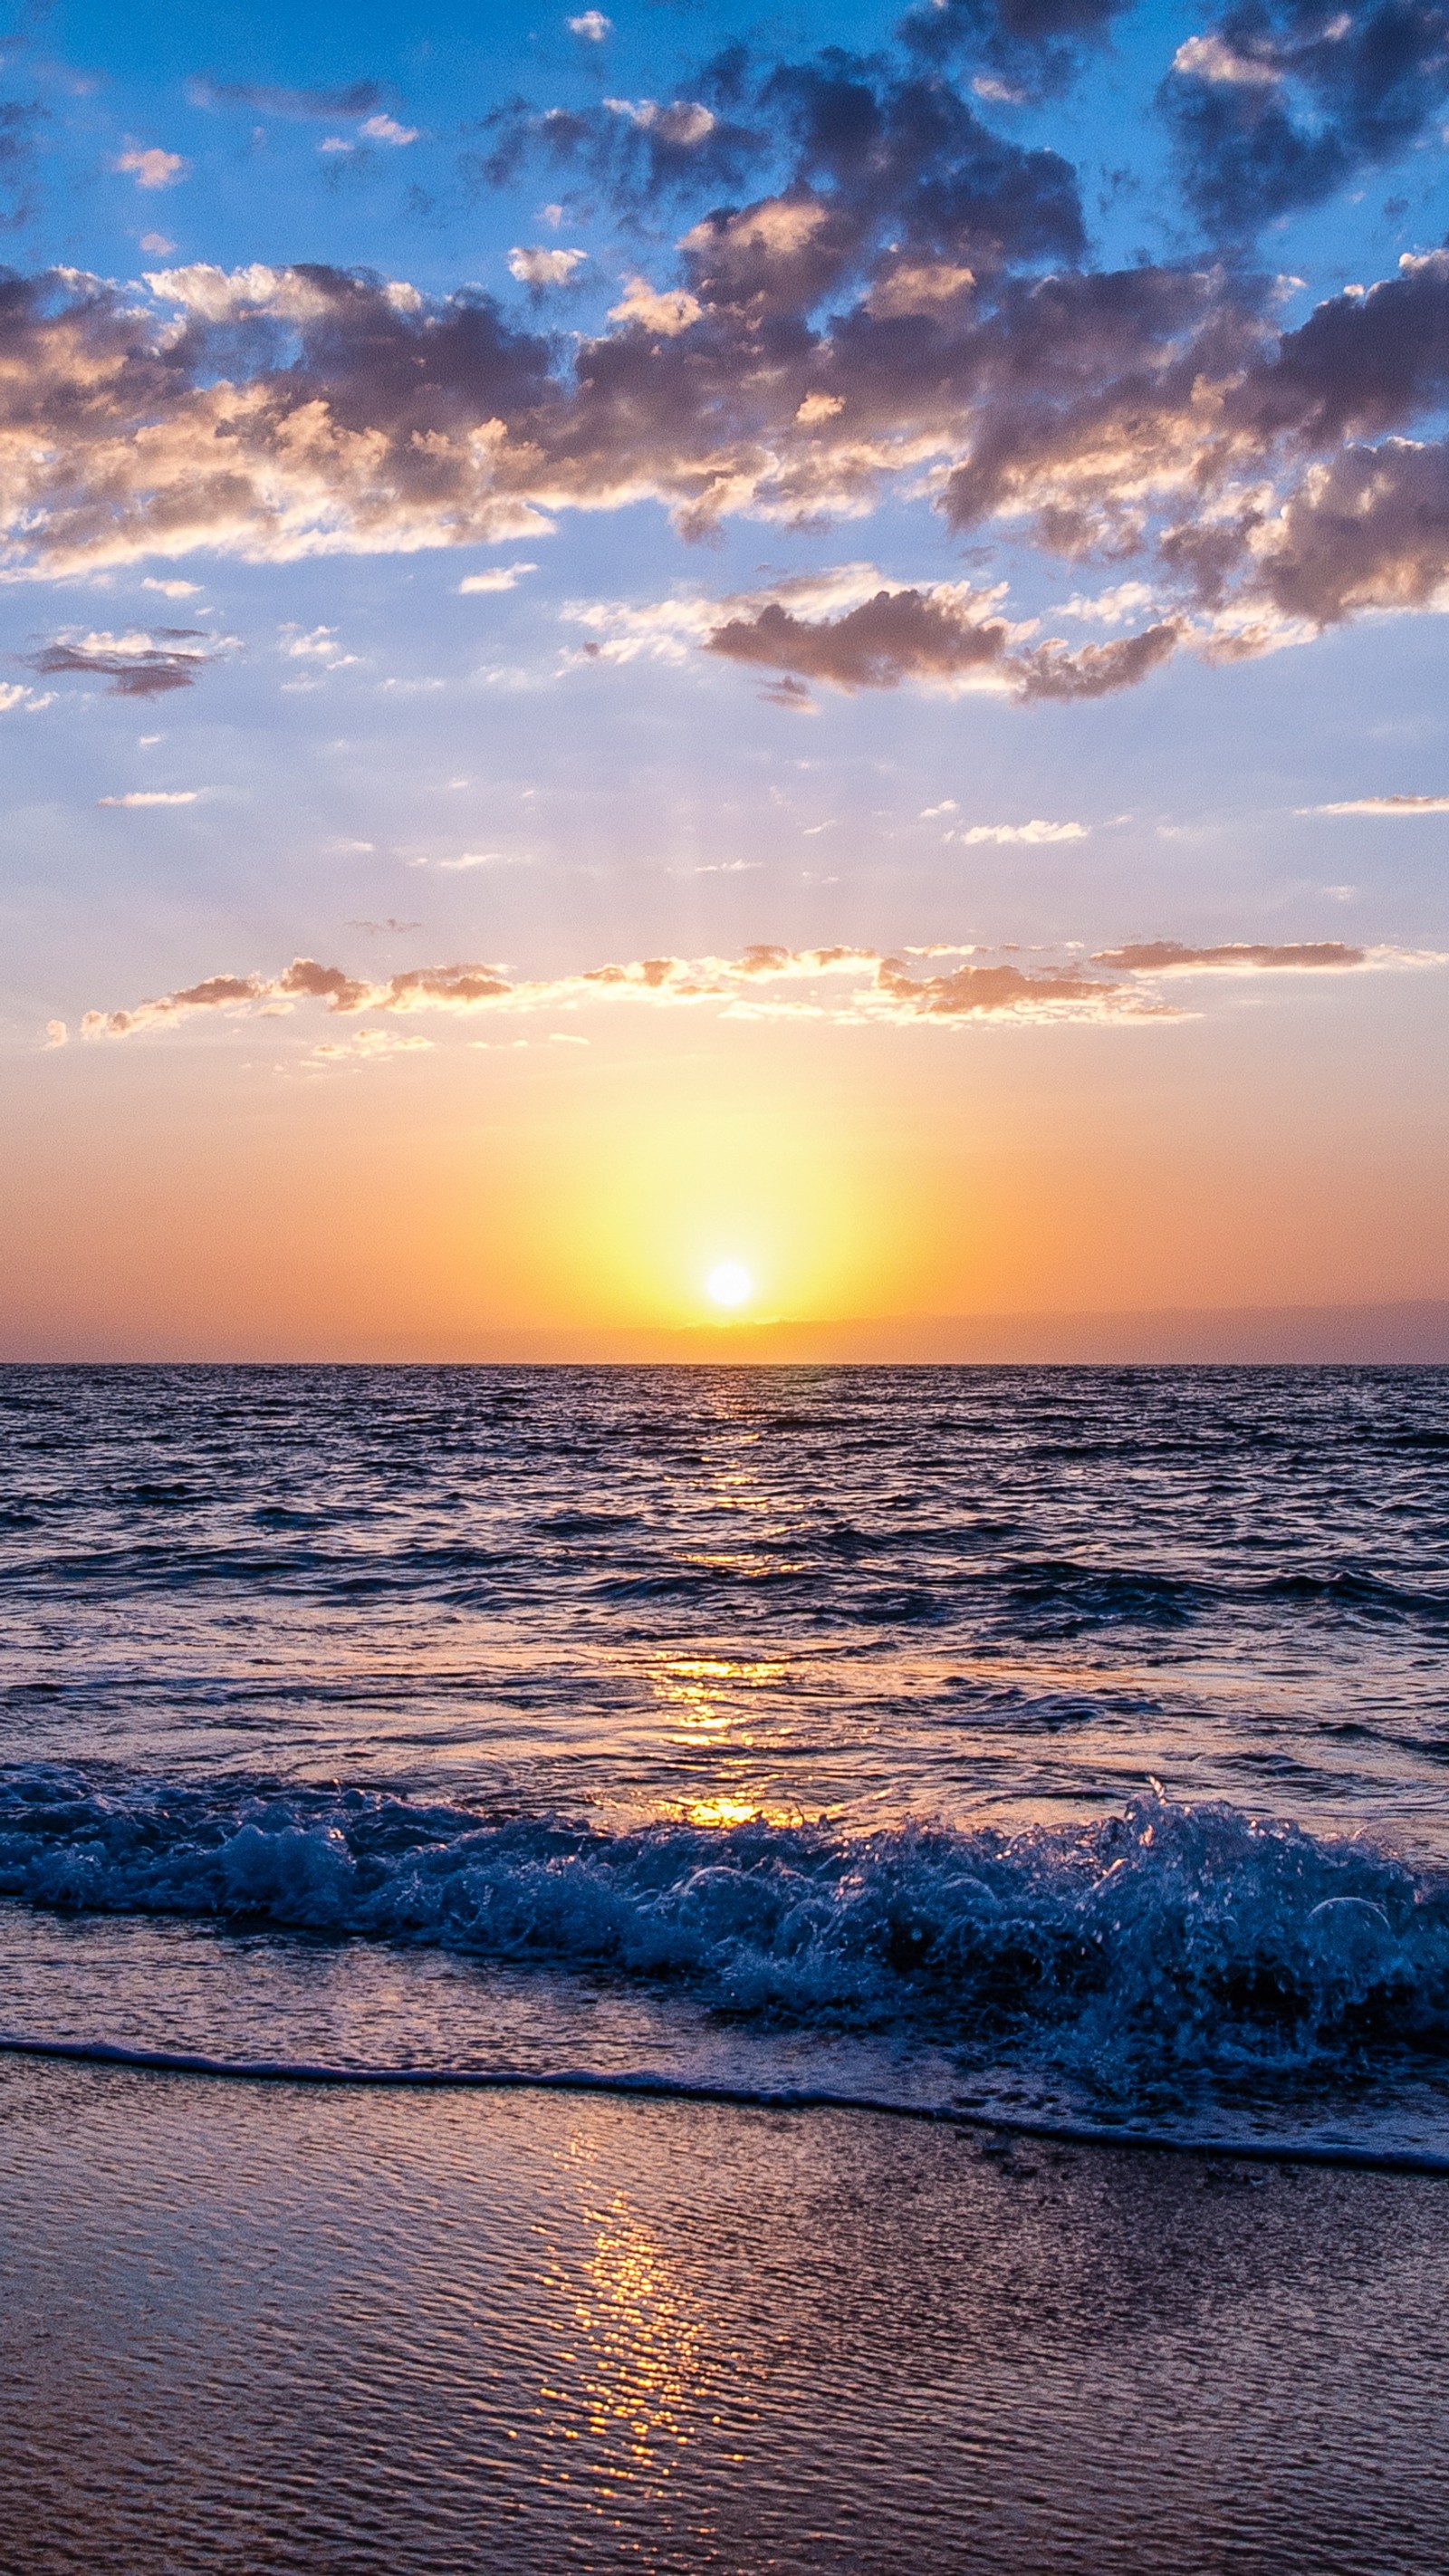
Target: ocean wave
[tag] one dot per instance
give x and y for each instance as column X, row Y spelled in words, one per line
column 1164, row 1940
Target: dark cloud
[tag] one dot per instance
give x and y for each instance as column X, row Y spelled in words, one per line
column 138, row 665
column 934, row 635
column 264, row 98
column 635, row 151
column 1168, row 956
column 1364, row 362
column 897, row 635
column 17, row 146
column 864, row 166
column 1268, row 482
column 1369, row 530
column 1282, row 102
column 1032, row 47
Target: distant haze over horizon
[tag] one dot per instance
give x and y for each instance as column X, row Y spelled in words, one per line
column 1413, row 1334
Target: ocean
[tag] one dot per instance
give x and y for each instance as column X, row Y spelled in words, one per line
column 1066, row 1745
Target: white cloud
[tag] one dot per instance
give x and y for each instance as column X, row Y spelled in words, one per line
column 1032, row 832
column 56, row 1033
column 368, row 1045
column 319, row 646
column 1110, row 607
column 592, row 25
column 151, row 168
column 685, row 122
column 173, row 589
column 385, row 129
column 539, row 267
column 154, row 796
column 502, row 577
column 1209, row 58
column 158, row 245
column 668, row 310
column 819, row 407
column 918, row 286
column 219, row 294
column 1398, row 805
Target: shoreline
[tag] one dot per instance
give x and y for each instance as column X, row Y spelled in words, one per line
column 646, row 2085
column 374, row 2331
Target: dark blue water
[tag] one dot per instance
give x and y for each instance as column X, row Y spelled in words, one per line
column 1072, row 1737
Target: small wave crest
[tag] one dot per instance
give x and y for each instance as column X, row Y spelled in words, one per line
column 1164, row 1941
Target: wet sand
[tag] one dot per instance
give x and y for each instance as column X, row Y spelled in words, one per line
column 286, row 2329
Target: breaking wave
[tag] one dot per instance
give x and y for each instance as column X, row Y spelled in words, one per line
column 1164, row 1940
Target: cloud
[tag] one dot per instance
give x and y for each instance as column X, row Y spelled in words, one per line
column 367, row 1046
column 945, row 636
column 216, row 993
column 1035, row 45
column 17, row 148
column 1282, row 103
column 151, row 168
column 1399, row 805
column 1170, row 957
column 838, row 985
column 154, row 796
column 665, row 314
column 845, row 628
column 56, row 1033
column 889, row 167
column 14, row 693
column 763, row 981
column 1213, row 58
column 139, row 664
column 317, row 646
column 1032, row 833
column 592, row 26
column 501, row 577
column 1251, row 484
column 684, row 123
column 385, row 129
column 539, row 267
column 357, row 98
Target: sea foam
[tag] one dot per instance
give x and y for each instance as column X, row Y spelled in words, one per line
column 1164, row 1939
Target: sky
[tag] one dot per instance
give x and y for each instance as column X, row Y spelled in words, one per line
column 655, row 650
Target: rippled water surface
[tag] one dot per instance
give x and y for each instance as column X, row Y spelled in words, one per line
column 1075, row 1733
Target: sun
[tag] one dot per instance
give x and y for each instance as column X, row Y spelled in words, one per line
column 730, row 1284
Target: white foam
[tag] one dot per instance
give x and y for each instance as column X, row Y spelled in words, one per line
column 1150, row 1944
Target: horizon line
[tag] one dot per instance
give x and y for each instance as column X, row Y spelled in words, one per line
column 1403, row 1332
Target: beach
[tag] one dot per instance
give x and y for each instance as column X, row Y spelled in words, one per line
column 277, row 2328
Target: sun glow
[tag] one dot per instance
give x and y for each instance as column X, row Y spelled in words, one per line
column 730, row 1284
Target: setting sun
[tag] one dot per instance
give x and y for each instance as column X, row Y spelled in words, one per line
column 730, row 1284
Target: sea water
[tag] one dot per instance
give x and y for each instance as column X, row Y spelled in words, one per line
column 1063, row 1743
